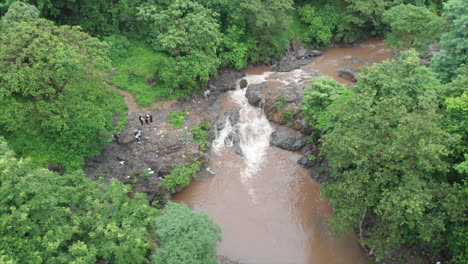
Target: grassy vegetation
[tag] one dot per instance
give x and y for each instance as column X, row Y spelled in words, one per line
column 288, row 118
column 177, row 119
column 136, row 62
column 200, row 134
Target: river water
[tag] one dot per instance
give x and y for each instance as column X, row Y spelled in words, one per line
column 269, row 208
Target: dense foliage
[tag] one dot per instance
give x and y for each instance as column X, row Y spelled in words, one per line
column 396, row 142
column 185, row 237
column 54, row 105
column 453, row 44
column 50, row 218
column 181, row 176
column 412, row 27
column 388, row 155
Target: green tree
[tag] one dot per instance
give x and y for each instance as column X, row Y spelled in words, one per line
column 185, row 237
column 54, row 105
column 98, row 17
column 190, row 33
column 387, row 156
column 268, row 22
column 322, row 93
column 453, row 44
column 50, row 218
column 412, row 27
column 18, row 12
column 319, row 34
column 361, row 16
column 455, row 121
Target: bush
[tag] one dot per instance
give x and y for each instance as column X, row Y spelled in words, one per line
column 200, row 132
column 281, row 103
column 288, row 117
column 177, row 119
column 185, row 236
column 180, row 176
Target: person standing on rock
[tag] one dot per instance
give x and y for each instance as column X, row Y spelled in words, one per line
column 141, row 120
column 137, row 135
column 207, row 93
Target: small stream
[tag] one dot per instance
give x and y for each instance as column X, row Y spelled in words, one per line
column 269, row 208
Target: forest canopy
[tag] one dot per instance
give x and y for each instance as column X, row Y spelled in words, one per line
column 396, row 142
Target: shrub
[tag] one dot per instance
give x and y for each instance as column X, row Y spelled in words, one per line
column 177, row 119
column 180, row 176
column 185, row 236
column 280, row 103
column 288, row 117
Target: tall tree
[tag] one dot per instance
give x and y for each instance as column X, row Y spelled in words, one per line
column 453, row 44
column 412, row 27
column 185, row 237
column 18, row 12
column 50, row 218
column 268, row 22
column 54, row 105
column 190, row 33
column 387, row 155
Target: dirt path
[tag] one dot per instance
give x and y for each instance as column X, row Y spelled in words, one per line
column 134, row 108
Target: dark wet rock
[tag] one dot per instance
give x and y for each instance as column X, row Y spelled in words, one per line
column 348, row 74
column 425, row 62
column 59, row 168
column 288, row 140
column 305, row 162
column 238, row 150
column 296, row 57
column 320, row 172
column 243, row 83
column 226, row 80
column 220, row 124
column 288, row 64
column 234, row 137
column 234, row 116
column 226, row 260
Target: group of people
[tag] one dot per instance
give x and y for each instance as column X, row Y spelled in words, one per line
column 147, row 119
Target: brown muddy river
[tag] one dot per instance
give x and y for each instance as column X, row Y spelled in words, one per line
column 268, row 207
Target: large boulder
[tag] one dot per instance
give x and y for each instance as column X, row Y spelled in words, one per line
column 226, row 80
column 348, row 74
column 296, row 57
column 288, row 140
column 281, row 104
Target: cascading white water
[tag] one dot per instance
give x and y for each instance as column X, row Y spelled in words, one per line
column 254, row 130
column 269, row 208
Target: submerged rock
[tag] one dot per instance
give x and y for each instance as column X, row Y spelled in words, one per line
column 348, row 74
column 296, row 57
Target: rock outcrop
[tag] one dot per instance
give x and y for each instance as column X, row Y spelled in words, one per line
column 288, row 139
column 226, row 80
column 281, row 104
column 296, row 57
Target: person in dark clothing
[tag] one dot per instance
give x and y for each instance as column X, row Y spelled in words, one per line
column 141, row 120
column 151, row 119
column 146, row 119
